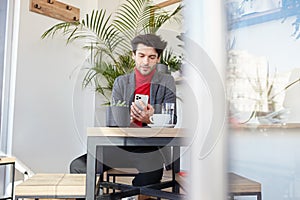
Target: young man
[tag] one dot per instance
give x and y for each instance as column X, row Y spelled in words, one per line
column 146, row 52
column 146, row 80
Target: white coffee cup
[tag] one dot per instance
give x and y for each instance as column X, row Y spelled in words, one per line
column 160, row 119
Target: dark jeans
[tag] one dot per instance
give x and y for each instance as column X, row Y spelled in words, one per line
column 147, row 160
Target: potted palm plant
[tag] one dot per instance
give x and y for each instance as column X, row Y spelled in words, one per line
column 264, row 87
column 108, row 39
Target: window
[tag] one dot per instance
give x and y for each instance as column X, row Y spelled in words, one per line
column 3, row 25
column 262, row 55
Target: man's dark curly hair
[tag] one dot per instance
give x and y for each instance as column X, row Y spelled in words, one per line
column 150, row 40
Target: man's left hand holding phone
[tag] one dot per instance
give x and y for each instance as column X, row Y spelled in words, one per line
column 140, row 109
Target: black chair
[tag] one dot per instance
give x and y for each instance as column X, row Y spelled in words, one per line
column 155, row 190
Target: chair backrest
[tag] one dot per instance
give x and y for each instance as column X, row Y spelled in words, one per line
column 119, row 160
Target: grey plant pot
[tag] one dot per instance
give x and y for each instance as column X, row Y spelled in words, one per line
column 117, row 116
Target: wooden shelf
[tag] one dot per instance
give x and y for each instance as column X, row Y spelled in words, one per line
column 261, row 17
column 265, row 126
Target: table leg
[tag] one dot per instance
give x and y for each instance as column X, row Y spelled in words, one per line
column 259, row 196
column 175, row 166
column 13, row 180
column 176, row 159
column 91, row 171
column 99, row 167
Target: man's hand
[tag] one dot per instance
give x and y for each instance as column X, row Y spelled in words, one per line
column 141, row 115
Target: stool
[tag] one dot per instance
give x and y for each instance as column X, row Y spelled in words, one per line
column 241, row 186
column 9, row 161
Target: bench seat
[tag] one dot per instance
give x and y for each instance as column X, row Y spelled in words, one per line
column 58, row 186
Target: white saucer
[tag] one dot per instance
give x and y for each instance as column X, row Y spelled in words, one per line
column 162, row 126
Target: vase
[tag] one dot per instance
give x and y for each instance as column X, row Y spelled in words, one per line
column 117, row 116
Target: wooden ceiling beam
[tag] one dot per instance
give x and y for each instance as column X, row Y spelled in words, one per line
column 166, row 3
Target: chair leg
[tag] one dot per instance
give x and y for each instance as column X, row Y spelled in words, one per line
column 114, row 180
column 107, row 179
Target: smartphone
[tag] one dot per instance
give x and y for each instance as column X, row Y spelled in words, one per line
column 141, row 97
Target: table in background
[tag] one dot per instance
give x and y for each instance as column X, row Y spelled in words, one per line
column 242, row 186
column 9, row 161
column 99, row 137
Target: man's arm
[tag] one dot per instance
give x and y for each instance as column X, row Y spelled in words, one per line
column 123, row 90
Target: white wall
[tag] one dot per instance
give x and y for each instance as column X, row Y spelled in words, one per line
column 110, row 6
column 51, row 111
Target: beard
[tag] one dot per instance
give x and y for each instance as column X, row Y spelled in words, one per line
column 145, row 69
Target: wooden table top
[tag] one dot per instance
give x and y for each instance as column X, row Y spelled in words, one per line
column 240, row 184
column 136, row 132
column 6, row 160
